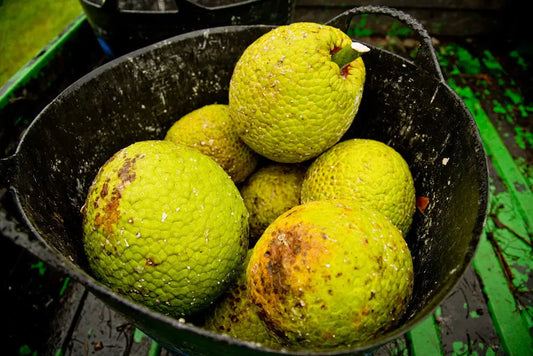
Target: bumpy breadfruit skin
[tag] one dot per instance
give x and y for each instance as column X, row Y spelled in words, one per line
column 210, row 130
column 330, row 274
column 236, row 315
column 165, row 226
column 289, row 102
column 366, row 170
column 269, row 192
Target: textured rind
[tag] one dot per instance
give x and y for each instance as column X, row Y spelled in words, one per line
column 330, row 274
column 369, row 171
column 236, row 315
column 269, row 192
column 209, row 129
column 289, row 102
column 164, row 225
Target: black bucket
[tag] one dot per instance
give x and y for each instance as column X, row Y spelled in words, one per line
column 138, row 96
column 122, row 26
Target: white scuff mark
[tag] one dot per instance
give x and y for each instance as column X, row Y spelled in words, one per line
column 164, row 217
column 434, row 95
column 206, row 36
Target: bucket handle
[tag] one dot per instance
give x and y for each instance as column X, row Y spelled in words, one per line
column 425, row 58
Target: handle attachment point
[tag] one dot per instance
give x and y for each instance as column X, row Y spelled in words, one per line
column 426, row 57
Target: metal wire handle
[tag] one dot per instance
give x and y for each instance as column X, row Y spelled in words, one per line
column 426, row 57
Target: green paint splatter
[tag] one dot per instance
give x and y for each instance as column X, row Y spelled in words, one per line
column 523, row 137
column 515, row 97
column 397, row 29
column 460, row 348
column 474, row 314
column 492, row 64
column 498, row 107
column 155, row 349
column 519, row 59
column 471, row 349
column 25, row 350
column 64, row 287
column 59, row 352
column 398, row 347
column 40, row 267
column 466, row 62
column 438, row 312
column 138, row 335
column 510, row 232
column 526, row 169
column 358, row 29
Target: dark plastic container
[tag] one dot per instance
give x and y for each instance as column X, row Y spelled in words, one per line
column 122, row 26
column 138, row 96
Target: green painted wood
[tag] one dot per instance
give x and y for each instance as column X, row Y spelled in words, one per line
column 424, row 339
column 32, row 68
column 512, row 328
column 504, row 259
column 504, row 163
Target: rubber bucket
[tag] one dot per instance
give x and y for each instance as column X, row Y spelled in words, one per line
column 122, row 26
column 406, row 104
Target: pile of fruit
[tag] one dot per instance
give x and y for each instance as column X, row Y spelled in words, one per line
column 255, row 214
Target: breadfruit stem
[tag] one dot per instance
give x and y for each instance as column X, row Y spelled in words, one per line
column 348, row 54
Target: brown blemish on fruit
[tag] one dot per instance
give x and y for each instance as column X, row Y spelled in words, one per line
column 328, row 335
column 127, row 172
column 150, row 262
column 274, row 277
column 105, row 189
column 111, row 212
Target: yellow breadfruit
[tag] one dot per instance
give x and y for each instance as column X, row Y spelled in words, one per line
column 210, row 130
column 330, row 274
column 235, row 315
column 164, row 225
column 368, row 171
column 292, row 95
column 269, row 192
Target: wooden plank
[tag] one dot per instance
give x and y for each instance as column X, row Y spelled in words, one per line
column 513, row 330
column 503, row 260
column 32, row 296
column 100, row 330
column 464, row 322
column 424, row 339
column 397, row 347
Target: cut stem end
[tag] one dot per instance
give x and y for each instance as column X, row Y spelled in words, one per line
column 348, row 54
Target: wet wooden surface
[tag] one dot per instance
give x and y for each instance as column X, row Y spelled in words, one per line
column 489, row 312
